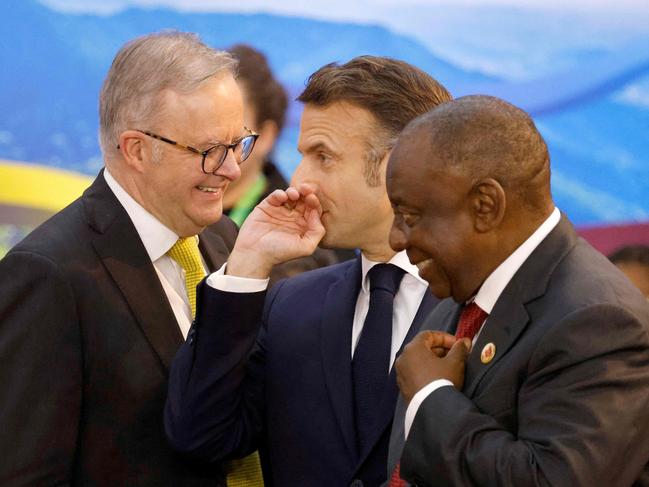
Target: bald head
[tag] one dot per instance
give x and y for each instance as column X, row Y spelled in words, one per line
column 485, row 137
column 469, row 182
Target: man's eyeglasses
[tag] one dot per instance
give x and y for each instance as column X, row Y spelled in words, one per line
column 214, row 157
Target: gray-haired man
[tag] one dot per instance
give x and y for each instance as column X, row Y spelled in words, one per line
column 95, row 302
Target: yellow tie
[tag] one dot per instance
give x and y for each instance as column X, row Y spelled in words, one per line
column 247, row 471
column 185, row 252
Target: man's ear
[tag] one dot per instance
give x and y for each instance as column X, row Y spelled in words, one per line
column 134, row 149
column 488, row 203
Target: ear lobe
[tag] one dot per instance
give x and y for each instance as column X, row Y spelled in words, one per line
column 489, row 203
column 132, row 147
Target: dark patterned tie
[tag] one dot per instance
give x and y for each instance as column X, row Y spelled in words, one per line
column 471, row 320
column 371, row 362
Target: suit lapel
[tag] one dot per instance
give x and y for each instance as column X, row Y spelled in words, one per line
column 121, row 251
column 213, row 249
column 336, row 336
column 502, row 328
column 389, row 398
column 509, row 316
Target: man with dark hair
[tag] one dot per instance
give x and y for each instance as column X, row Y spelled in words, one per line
column 535, row 370
column 317, row 394
column 633, row 261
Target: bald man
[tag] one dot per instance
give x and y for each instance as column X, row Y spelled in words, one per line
column 535, row 370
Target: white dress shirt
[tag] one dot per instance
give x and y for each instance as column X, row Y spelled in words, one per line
column 487, row 297
column 157, row 240
column 406, row 301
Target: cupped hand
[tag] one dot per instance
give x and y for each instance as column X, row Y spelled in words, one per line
column 431, row 355
column 284, row 226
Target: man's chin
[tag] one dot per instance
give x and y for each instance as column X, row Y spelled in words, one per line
column 209, row 218
column 439, row 288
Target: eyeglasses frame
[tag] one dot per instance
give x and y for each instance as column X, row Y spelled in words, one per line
column 204, row 153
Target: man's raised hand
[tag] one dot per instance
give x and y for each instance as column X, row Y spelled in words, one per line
column 284, row 226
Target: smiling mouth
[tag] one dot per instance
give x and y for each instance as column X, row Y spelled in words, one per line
column 208, row 189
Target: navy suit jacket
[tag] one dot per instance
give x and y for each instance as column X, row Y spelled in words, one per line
column 287, row 389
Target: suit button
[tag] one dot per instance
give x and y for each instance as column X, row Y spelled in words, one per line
column 190, row 336
column 356, row 483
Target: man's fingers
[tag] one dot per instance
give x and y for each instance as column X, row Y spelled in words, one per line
column 277, row 198
column 439, row 351
column 292, row 193
column 460, row 350
column 441, row 339
column 306, row 189
column 420, row 339
column 312, row 202
column 315, row 229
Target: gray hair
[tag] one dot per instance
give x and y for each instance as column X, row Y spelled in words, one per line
column 146, row 66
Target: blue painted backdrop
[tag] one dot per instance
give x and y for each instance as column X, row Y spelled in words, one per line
column 591, row 103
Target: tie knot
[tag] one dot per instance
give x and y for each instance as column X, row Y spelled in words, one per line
column 471, row 319
column 185, row 252
column 386, row 277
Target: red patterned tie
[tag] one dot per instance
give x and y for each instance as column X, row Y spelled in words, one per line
column 470, row 322
column 396, row 480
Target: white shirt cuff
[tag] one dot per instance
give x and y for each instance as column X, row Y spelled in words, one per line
column 233, row 284
column 418, row 398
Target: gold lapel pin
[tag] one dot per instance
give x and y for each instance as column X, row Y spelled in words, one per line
column 488, row 353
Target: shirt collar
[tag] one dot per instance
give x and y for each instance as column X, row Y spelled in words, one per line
column 494, row 285
column 400, row 259
column 156, row 237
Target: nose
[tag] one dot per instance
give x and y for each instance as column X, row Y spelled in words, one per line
column 398, row 237
column 230, row 168
column 301, row 175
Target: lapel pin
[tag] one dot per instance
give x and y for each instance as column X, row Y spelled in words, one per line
column 488, row 353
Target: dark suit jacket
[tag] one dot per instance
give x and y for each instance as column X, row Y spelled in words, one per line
column 565, row 401
column 86, row 338
column 294, row 400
